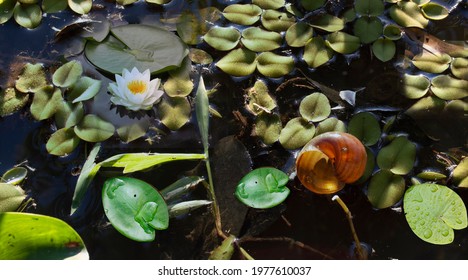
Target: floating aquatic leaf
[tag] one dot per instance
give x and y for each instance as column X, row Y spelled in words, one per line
column 28, row 16
column 434, row 11
column 14, row 176
column 385, row 189
column 259, row 40
column 174, row 112
column 180, row 187
column 369, row 7
column 432, row 63
column 46, row 102
column 460, row 173
column 277, row 21
column 431, row 175
column 328, row 23
column 368, row 29
column 239, row 62
column 11, row 197
column 200, row 56
column 315, row 107
column 296, row 133
column 69, row 114
column 273, row 65
column 26, row 236
column 202, row 105
column 185, row 207
column 62, row 142
column 80, row 6
column 293, row 10
column 343, row 42
column 433, row 212
column 54, row 6
column 263, row 188
column 178, row 86
column 330, row 124
column 384, row 49
column 260, row 99
column 94, row 129
column 269, row 4
column 424, row 106
column 448, row 88
column 191, row 26
column 159, row 2
column 268, row 127
column 222, row 38
column 84, row 89
column 125, row 2
column 11, row 101
column 392, row 32
column 398, row 157
column 298, row 34
column 245, row 14
column 349, row 15
column 225, row 250
column 311, row 5
column 407, row 14
column 131, row 132
column 134, row 208
column 459, row 68
column 6, row 10
column 317, row 53
column 415, row 86
column 365, row 127
column 32, row 78
column 67, row 74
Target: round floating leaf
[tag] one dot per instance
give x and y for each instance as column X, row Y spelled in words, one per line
column 11, row 101
column 365, row 127
column 191, row 26
column 316, row 52
column 174, row 112
column 67, row 74
column 298, row 34
column 245, row 14
column 11, row 197
column 263, row 188
column 296, row 133
column 200, row 56
column 415, row 86
column 84, row 89
column 178, row 86
column 80, row 6
column 134, row 208
column 343, row 42
column 28, row 16
column 460, row 173
column 140, row 46
column 433, row 212
column 46, row 102
column 268, row 128
column 392, row 32
column 69, row 114
column 449, row 88
column 14, row 176
column 370, row 165
column 369, row 7
column 349, row 15
column 434, row 11
column 398, row 157
column 259, row 99
column 32, row 78
column 368, row 29
column 459, row 68
column 328, row 23
column 222, row 38
column 62, row 142
column 277, row 21
column 315, row 107
column 54, row 6
column 25, row 236
column 385, row 189
column 6, row 10
column 431, row 175
column 432, row 63
column 408, row 14
column 125, row 2
column 269, row 4
column 131, row 132
column 273, row 65
column 93, row 129
column 384, row 49
column 239, row 62
column 259, row 40
column 330, row 124
column 311, row 5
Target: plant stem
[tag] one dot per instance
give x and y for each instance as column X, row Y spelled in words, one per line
column 216, row 213
column 349, row 216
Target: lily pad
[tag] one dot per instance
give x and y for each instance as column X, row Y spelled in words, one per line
column 459, row 68
column 368, row 29
column 14, row 176
column 6, row 10
column 134, row 208
column 67, row 74
column 174, row 112
column 178, row 86
column 365, row 127
column 28, row 16
column 311, row 5
column 259, row 40
column 54, row 6
column 62, row 142
column 69, row 114
column 222, row 38
column 392, row 32
column 343, row 42
column 192, row 25
column 268, row 127
column 94, row 129
column 260, row 99
column 131, row 132
column 460, row 173
column 296, row 133
column 369, row 7
column 433, row 212
column 432, row 63
column 330, row 124
column 263, row 188
column 125, row 2
column 11, row 197
column 449, row 88
column 384, row 49
column 11, row 101
column 434, row 11
column 385, row 189
column 84, row 89
column 32, row 78
column 46, row 102
column 415, row 86
column 298, row 34
column 328, row 23
column 269, row 4
column 273, row 65
column 315, row 107
column 408, row 14
column 316, row 52
column 239, row 62
column 398, row 157
column 277, row 21
column 80, row 6
column 200, row 56
column 245, row 14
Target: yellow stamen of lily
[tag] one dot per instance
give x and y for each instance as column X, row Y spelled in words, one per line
column 137, row 87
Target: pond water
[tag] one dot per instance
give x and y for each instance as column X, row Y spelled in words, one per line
column 306, row 225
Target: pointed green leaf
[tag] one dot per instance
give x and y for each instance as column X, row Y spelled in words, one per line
column 296, row 133
column 385, row 189
column 432, row 63
column 46, row 102
column 32, row 78
column 11, row 101
column 239, row 62
column 54, row 6
column 431, row 175
column 415, row 86
column 315, row 107
column 11, row 197
column 277, row 21
column 62, row 142
column 317, row 53
column 328, row 23
column 459, row 68
column 222, row 38
column 434, row 11
column 94, row 129
column 369, row 7
column 268, row 127
column 398, row 157
column 69, row 114
column 80, row 6
column 343, row 42
column 368, row 29
column 180, row 187
column 174, row 112
column 14, row 176
column 28, row 16
column 365, row 127
column 273, row 65
column 408, row 14
column 202, row 105
column 259, row 40
column 185, row 207
column 67, row 74
column 298, row 34
column 245, row 14
column 448, row 88
column 84, row 89
column 384, row 49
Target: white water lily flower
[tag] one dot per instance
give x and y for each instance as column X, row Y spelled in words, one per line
column 135, row 91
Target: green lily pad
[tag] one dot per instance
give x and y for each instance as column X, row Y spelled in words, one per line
column 315, row 107
column 365, row 127
column 11, row 197
column 68, row 74
column 277, row 21
column 259, row 40
column 460, row 173
column 94, row 129
column 385, row 189
column 434, row 11
column 28, row 16
column 432, row 63
column 69, row 114
column 14, row 176
column 200, row 56
column 459, row 68
column 433, row 212
column 245, row 14
column 11, row 101
column 349, row 15
column 260, row 99
column 368, row 29
column 125, row 2
column 25, row 236
column 32, row 78
column 296, row 133
column 137, row 45
column 222, row 38
column 134, row 208
column 329, row 125
column 316, row 52
column 328, row 23
column 449, row 88
column 408, row 14
column 369, row 7
column 263, row 188
column 415, row 86
column 131, row 132
column 174, row 112
column 84, row 89
column 62, row 142
column 80, row 6
column 398, row 157
column 6, row 10
column 192, row 25
column 54, row 6
column 239, row 62
column 298, row 34
column 273, row 65
column 384, row 49
column 268, row 127
column 311, row 5
column 392, row 32
column 269, row 4
column 178, row 86
column 343, row 42
column 46, row 102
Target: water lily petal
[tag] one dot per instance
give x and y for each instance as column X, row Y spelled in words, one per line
column 146, row 76
column 125, row 74
column 120, row 81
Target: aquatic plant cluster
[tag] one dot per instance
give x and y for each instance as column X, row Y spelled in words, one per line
column 128, row 81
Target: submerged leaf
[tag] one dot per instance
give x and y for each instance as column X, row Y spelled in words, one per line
column 32, row 78
column 174, row 112
column 11, row 101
